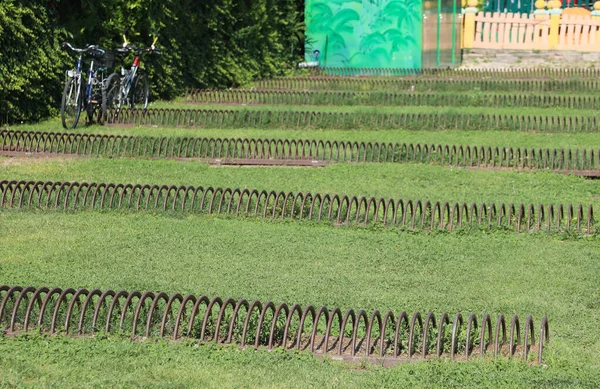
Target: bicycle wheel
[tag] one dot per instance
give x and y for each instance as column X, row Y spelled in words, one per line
column 70, row 108
column 141, row 90
column 111, row 96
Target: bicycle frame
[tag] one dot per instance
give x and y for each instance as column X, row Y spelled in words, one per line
column 88, row 90
column 78, row 73
column 79, row 63
column 86, row 97
column 126, row 92
column 129, row 77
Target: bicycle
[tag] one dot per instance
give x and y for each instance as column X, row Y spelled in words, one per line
column 129, row 87
column 74, row 99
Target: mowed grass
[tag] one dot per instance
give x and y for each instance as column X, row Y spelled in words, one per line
column 298, row 263
column 407, row 181
column 463, row 137
column 117, row 363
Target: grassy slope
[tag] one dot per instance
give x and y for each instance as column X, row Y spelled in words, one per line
column 477, row 273
column 411, row 181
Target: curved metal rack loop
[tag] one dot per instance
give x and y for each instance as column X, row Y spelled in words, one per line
column 388, row 98
column 574, row 161
column 230, row 321
column 334, row 209
column 294, row 119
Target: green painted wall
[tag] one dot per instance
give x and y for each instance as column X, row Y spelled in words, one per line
column 365, row 33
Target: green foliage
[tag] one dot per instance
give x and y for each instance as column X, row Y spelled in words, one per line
column 217, row 44
column 31, row 68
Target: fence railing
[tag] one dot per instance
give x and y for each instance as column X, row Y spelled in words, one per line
column 527, row 6
column 554, row 29
column 578, row 32
column 511, row 31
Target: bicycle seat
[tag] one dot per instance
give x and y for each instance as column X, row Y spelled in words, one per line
column 122, row 51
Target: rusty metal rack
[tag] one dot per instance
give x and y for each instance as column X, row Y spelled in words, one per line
column 335, row 209
column 298, row 152
column 434, row 84
column 286, row 119
column 384, row 337
column 343, row 98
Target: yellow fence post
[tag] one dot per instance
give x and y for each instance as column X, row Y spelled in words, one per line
column 596, row 16
column 596, row 11
column 540, row 9
column 554, row 10
column 469, row 27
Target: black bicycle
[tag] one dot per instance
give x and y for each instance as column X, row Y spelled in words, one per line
column 129, row 88
column 75, row 98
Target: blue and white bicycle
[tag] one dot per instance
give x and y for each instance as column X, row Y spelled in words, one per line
column 75, row 97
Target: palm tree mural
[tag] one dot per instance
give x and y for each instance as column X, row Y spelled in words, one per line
column 365, row 33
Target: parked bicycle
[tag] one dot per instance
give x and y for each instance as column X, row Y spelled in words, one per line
column 129, row 88
column 74, row 98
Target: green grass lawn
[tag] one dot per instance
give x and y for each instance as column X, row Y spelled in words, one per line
column 121, row 364
column 407, row 181
column 320, row 265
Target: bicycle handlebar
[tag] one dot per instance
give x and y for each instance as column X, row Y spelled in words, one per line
column 88, row 48
column 140, row 50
